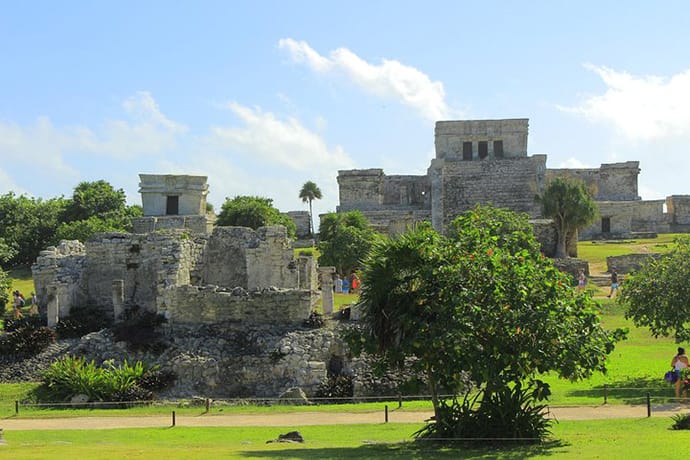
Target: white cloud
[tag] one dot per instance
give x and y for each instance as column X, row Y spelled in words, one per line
column 574, row 163
column 275, row 141
column 641, row 108
column 388, row 80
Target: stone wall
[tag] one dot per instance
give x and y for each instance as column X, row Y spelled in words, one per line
column 119, row 270
column 360, row 189
column 210, row 304
column 450, row 137
column 629, row 262
column 649, row 216
column 196, row 224
column 459, row 185
column 609, row 182
column 302, row 224
column 678, row 207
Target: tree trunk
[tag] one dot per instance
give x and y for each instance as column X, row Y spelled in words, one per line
column 434, row 395
column 562, row 235
column 311, row 221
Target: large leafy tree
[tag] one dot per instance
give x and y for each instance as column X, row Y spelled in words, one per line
column 310, row 192
column 97, row 198
column 570, row 205
column 253, row 212
column 28, row 225
column 657, row 295
column 345, row 240
column 482, row 315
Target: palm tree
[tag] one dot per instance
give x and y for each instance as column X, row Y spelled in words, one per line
column 310, row 192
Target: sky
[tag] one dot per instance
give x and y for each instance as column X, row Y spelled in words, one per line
column 262, row 96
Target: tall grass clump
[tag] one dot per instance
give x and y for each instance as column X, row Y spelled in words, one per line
column 70, row 376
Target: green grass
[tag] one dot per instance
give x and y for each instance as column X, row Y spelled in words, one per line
column 611, row 439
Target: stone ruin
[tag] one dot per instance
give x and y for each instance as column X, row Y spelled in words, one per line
column 235, row 299
column 486, row 161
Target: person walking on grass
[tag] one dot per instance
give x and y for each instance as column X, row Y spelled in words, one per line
column 614, row 282
column 679, row 363
column 581, row 280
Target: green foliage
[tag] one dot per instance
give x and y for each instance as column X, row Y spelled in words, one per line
column 28, row 225
column 253, row 212
column 483, row 306
column 331, row 222
column 336, row 389
column 571, row 206
column 82, row 319
column 657, row 296
column 5, row 285
column 71, row 376
column 24, row 337
column 314, row 321
column 140, row 329
column 83, row 230
column 345, row 242
column 512, row 412
column 681, row 422
column 95, row 199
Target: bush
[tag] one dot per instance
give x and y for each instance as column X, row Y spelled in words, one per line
column 25, row 337
column 71, row 376
column 81, row 321
column 681, row 422
column 314, row 321
column 340, row 387
column 140, row 329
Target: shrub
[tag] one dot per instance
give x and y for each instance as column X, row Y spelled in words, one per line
column 140, row 329
column 681, row 422
column 81, row 321
column 25, row 337
column 340, row 388
column 71, row 376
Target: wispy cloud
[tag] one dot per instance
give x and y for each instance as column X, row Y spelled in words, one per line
column 390, row 80
column 641, row 108
column 278, row 141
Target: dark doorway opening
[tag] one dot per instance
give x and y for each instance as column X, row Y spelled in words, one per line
column 605, row 225
column 483, row 148
column 498, row 149
column 467, row 151
column 172, row 205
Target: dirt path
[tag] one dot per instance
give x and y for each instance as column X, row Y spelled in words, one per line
column 312, row 418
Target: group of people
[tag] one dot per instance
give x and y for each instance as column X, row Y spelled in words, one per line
column 18, row 303
column 582, row 281
column 347, row 284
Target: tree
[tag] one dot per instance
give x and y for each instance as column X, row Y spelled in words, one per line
column 333, row 220
column 345, row 240
column 253, row 212
column 310, row 192
column 97, row 198
column 28, row 225
column 482, row 315
column 570, row 205
column 657, row 295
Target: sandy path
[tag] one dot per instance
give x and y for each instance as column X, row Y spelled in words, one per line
column 312, row 418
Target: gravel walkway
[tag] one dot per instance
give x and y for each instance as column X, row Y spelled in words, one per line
column 312, row 418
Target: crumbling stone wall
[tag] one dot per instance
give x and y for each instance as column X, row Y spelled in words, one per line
column 302, row 224
column 452, row 136
column 678, row 207
column 119, row 270
column 609, row 182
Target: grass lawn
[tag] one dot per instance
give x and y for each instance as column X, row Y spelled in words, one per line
column 611, row 439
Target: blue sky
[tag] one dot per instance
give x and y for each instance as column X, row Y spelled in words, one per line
column 262, row 96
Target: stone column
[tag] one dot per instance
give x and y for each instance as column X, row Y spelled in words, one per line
column 326, row 277
column 118, row 290
column 53, row 305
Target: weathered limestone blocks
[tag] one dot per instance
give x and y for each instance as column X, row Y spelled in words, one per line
column 208, row 305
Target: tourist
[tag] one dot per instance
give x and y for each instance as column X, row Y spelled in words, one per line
column 33, row 311
column 614, row 282
column 354, row 282
column 18, row 304
column 346, row 286
column 338, row 284
column 678, row 363
column 581, row 280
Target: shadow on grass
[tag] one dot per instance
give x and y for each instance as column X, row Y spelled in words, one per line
column 417, row 450
column 631, row 391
